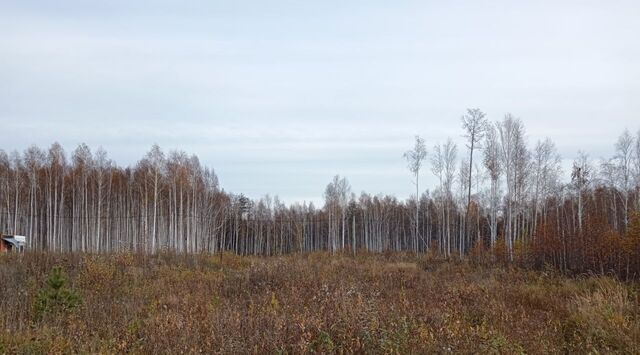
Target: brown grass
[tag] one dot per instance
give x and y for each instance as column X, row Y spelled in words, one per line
column 393, row 303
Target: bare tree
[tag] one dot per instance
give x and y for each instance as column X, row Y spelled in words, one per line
column 82, row 167
column 34, row 159
column 336, row 201
column 493, row 165
column 609, row 177
column 437, row 167
column 546, row 167
column 56, row 169
column 624, row 161
column 475, row 126
column 443, row 164
column 5, row 191
column 102, row 164
column 414, row 158
column 17, row 170
column 450, row 151
column 463, row 237
column 580, row 178
column 510, row 130
column 156, row 160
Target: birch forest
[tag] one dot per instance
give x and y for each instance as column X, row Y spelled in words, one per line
column 499, row 192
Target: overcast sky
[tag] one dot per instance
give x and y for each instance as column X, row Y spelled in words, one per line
column 279, row 96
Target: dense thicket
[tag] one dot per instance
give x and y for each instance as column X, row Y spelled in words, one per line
column 511, row 199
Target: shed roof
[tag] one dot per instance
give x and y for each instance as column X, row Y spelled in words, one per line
column 16, row 240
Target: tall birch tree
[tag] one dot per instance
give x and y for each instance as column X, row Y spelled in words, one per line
column 415, row 158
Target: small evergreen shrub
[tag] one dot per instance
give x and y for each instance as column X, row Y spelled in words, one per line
column 55, row 297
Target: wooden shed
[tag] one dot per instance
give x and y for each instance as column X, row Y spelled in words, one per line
column 13, row 243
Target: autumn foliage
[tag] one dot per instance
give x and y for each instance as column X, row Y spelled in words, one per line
column 309, row 303
column 596, row 247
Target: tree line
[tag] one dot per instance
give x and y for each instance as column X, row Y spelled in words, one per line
column 498, row 194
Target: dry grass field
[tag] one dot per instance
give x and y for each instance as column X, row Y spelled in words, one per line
column 392, row 303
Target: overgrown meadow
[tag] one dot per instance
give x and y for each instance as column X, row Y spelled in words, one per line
column 310, row 303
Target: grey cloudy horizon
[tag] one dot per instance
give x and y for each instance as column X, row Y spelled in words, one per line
column 280, row 96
